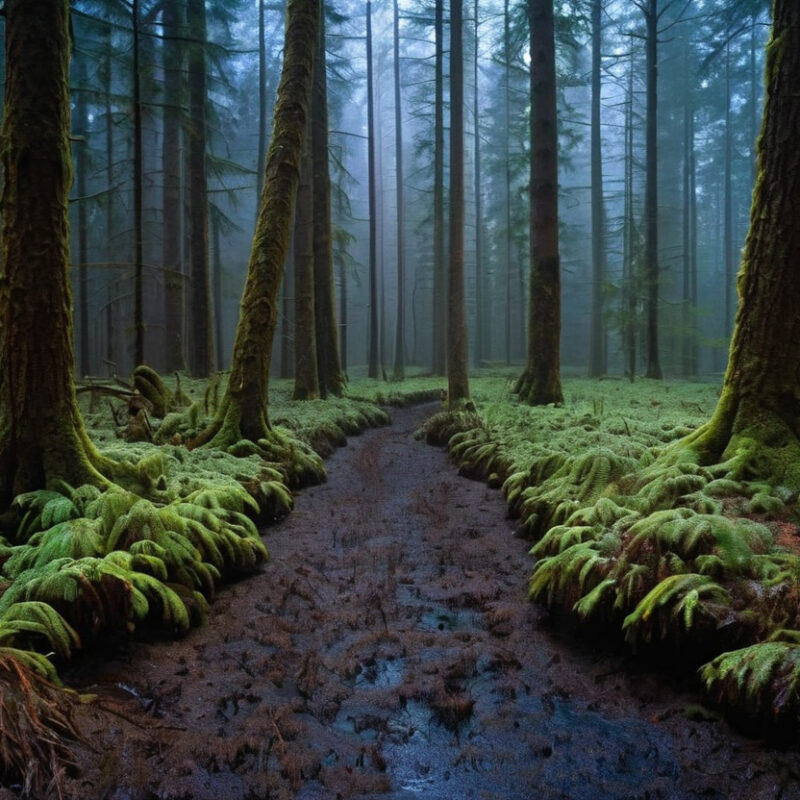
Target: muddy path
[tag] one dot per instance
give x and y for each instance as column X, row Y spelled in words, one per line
column 388, row 651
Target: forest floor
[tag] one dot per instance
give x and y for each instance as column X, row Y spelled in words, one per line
column 388, row 650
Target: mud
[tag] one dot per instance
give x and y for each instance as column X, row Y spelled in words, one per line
column 388, row 651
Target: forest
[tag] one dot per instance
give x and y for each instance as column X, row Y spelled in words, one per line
column 399, row 399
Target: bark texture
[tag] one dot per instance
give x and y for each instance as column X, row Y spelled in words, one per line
column 540, row 384
column 243, row 411
column 329, row 365
column 756, row 424
column 42, row 437
column 457, row 354
column 306, row 377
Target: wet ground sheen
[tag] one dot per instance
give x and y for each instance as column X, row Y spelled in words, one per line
column 388, row 651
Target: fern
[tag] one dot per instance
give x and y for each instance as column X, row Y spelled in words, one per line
column 26, row 623
column 40, row 510
column 564, row 577
column 672, row 606
column 561, row 537
column 762, row 679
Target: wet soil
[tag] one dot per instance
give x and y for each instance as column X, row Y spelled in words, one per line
column 388, row 651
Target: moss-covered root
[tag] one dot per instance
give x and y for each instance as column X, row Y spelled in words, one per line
column 297, row 462
column 439, row 428
column 149, row 384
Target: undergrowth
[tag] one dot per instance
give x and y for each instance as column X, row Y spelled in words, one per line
column 78, row 565
column 631, row 534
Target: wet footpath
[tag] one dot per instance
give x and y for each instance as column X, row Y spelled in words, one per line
column 388, row 650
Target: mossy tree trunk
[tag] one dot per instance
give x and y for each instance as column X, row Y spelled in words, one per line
column 243, row 411
column 457, row 354
column 42, row 437
column 541, row 382
column 756, row 424
column 329, row 366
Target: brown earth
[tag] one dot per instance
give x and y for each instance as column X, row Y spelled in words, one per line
column 388, row 651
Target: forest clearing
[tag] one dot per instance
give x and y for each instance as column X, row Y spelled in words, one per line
column 571, row 566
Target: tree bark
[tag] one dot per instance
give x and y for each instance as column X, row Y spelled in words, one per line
column 481, row 295
column 399, row 339
column 42, row 436
column 201, row 361
column 457, row 352
column 372, row 351
column 651, row 269
column 597, row 366
column 756, row 425
column 138, row 210
column 82, row 168
column 540, row 384
column 173, row 50
column 439, row 300
column 306, row 373
column 243, row 411
column 329, row 366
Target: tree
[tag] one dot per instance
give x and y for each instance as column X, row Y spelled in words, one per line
column 173, row 50
column 541, row 382
column 457, row 354
column 331, row 378
column 201, row 351
column 597, row 335
column 439, row 299
column 242, row 414
column 372, row 354
column 306, row 374
column 399, row 341
column 42, row 436
column 756, row 424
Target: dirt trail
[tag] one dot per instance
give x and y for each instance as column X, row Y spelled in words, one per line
column 388, row 651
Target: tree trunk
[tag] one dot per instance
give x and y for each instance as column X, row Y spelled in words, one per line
column 306, row 373
column 481, row 297
column 81, row 170
column 138, row 210
column 218, row 281
column 507, row 162
column 540, row 384
column 439, row 300
column 597, row 366
column 399, row 338
column 262, row 98
column 688, row 298
column 457, row 353
column 243, row 411
column 756, row 425
column 173, row 50
column 42, row 436
column 372, row 352
column 651, row 269
column 201, row 361
column 109, row 315
column 329, row 366
column 630, row 300
column 728, row 202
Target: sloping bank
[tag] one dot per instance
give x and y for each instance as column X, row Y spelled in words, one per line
column 697, row 565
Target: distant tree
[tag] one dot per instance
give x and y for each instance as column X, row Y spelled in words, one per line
column 457, row 352
column 439, row 348
column 138, row 178
column 42, row 436
column 373, row 331
column 173, row 53
column 399, row 342
column 597, row 353
column 201, row 347
column 540, row 383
